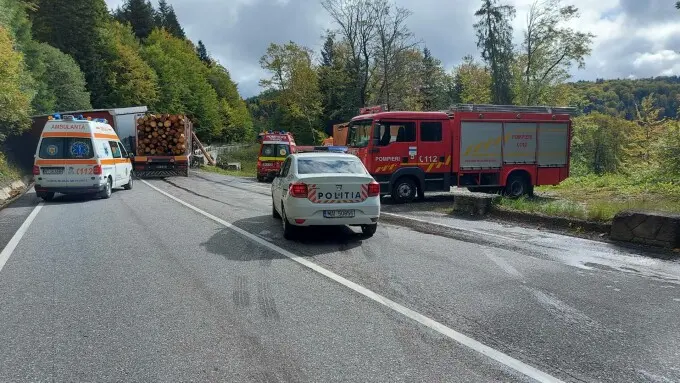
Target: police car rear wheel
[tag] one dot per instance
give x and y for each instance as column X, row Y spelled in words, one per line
column 369, row 230
column 289, row 231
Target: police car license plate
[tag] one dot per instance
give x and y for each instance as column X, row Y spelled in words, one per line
column 53, row 170
column 338, row 213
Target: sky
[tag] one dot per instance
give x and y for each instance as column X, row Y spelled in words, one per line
column 634, row 38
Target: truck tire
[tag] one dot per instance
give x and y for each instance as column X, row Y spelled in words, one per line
column 404, row 190
column 517, row 186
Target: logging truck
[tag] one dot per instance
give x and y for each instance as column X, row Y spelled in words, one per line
column 163, row 145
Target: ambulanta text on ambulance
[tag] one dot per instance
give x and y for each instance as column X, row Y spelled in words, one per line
column 78, row 155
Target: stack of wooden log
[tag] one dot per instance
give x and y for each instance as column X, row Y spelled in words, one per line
column 161, row 134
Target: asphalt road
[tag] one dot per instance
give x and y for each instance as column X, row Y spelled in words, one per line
column 190, row 279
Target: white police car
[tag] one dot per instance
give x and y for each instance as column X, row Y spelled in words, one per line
column 324, row 188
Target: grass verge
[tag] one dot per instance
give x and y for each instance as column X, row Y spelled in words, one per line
column 599, row 198
column 246, row 156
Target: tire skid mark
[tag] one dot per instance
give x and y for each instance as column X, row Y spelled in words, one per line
column 266, row 301
column 240, row 295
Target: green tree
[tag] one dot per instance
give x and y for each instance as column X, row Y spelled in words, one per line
column 166, row 18
column 59, row 81
column 437, row 91
column 140, row 14
column 13, row 16
column 335, row 83
column 184, row 87
column 74, row 28
column 599, row 143
column 294, row 77
column 494, row 38
column 131, row 80
column 202, row 53
column 549, row 50
column 15, row 103
column 472, row 82
column 650, row 125
column 392, row 38
column 237, row 123
column 356, row 22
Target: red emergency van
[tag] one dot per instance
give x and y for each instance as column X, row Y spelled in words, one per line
column 275, row 146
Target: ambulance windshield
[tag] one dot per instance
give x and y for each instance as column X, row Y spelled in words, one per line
column 359, row 133
column 275, row 150
column 60, row 148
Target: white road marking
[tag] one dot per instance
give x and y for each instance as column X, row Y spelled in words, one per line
column 12, row 244
column 492, row 353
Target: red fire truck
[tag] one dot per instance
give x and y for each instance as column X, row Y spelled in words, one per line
column 482, row 147
column 275, row 146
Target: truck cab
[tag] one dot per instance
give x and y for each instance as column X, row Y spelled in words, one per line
column 410, row 145
column 275, row 146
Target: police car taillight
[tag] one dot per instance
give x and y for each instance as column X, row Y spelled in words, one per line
column 97, row 170
column 298, row 190
column 36, row 170
column 373, row 189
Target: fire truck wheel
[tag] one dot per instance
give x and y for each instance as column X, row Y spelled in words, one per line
column 260, row 178
column 517, row 186
column 404, row 190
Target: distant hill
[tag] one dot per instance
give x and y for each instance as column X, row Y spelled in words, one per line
column 619, row 97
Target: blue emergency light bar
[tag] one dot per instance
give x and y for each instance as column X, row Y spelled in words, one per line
column 337, row 149
column 334, row 149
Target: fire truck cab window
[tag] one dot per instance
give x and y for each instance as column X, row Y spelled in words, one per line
column 389, row 132
column 431, row 131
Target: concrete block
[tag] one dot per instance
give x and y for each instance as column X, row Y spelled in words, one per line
column 648, row 228
column 234, row 166
column 473, row 204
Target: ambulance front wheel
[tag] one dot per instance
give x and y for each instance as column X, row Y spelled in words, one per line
column 46, row 196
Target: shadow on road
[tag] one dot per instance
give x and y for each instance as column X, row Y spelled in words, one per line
column 66, row 199
column 312, row 241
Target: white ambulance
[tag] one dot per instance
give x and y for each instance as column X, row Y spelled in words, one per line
column 77, row 155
